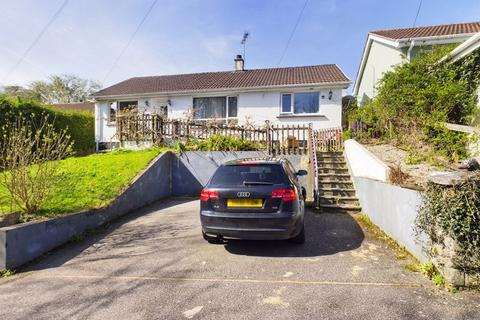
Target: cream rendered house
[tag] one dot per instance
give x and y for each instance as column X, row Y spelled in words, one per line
column 293, row 95
column 386, row 48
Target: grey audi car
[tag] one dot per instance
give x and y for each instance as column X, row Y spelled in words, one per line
column 254, row 199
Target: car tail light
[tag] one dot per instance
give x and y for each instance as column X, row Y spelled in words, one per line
column 285, row 194
column 208, row 194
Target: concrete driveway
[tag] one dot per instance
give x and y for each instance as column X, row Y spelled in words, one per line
column 154, row 264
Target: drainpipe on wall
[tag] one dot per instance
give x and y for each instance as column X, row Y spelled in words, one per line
column 409, row 52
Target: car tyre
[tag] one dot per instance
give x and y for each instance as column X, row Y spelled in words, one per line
column 299, row 238
column 210, row 239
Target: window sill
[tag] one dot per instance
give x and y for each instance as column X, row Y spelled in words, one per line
column 304, row 115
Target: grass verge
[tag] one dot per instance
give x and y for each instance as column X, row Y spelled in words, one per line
column 89, row 182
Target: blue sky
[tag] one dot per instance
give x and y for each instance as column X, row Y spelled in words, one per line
column 182, row 36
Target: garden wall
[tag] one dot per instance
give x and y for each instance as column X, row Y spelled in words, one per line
column 24, row 242
column 390, row 207
column 167, row 175
column 192, row 170
column 393, row 209
column 363, row 163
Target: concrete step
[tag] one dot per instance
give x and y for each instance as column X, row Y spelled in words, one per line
column 335, row 189
column 335, row 183
column 339, row 200
column 336, row 175
column 341, row 169
column 333, row 167
column 325, row 180
column 330, row 153
column 337, row 192
column 321, row 162
column 340, row 208
column 331, row 171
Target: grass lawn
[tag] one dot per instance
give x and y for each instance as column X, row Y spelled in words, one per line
column 89, row 182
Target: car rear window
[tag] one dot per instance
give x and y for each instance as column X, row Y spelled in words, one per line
column 235, row 175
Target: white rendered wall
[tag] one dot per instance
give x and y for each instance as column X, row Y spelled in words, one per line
column 363, row 163
column 104, row 132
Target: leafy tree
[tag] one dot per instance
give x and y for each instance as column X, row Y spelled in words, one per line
column 58, row 89
column 20, row 92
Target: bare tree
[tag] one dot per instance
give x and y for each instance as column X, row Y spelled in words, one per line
column 29, row 154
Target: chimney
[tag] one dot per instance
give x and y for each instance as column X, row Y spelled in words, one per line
column 239, row 62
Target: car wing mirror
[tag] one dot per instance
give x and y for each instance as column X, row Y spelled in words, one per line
column 301, row 173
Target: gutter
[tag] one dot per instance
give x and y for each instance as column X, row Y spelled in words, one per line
column 342, row 84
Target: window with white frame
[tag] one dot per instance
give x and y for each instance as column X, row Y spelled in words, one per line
column 215, row 108
column 300, row 103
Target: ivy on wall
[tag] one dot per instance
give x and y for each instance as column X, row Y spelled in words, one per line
column 454, row 212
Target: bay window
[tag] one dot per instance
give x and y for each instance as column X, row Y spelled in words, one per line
column 300, row 102
column 214, row 108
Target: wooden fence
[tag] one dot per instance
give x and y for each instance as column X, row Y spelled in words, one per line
column 274, row 138
column 329, row 139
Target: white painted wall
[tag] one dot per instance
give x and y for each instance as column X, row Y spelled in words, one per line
column 381, row 59
column 363, row 163
column 258, row 106
column 394, row 210
column 104, row 131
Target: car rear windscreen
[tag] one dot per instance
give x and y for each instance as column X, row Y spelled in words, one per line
column 236, row 175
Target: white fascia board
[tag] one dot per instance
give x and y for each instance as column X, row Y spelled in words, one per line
column 389, row 42
column 425, row 41
column 463, row 50
column 323, row 85
column 361, row 67
column 366, row 51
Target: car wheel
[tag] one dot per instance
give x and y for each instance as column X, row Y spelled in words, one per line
column 299, row 238
column 211, row 239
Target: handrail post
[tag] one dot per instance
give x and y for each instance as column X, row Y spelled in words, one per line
column 269, row 148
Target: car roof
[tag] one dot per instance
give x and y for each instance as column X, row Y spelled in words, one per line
column 266, row 160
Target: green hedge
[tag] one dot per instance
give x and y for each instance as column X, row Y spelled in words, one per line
column 80, row 125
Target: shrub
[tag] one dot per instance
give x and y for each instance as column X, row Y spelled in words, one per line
column 415, row 99
column 220, row 142
column 80, row 125
column 29, row 161
column 454, row 211
column 347, row 134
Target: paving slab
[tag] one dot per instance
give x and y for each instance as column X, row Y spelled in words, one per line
column 154, row 264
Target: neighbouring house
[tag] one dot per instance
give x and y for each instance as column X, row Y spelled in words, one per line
column 86, row 106
column 293, row 95
column 386, row 48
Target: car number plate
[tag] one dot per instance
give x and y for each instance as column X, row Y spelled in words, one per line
column 244, row 203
